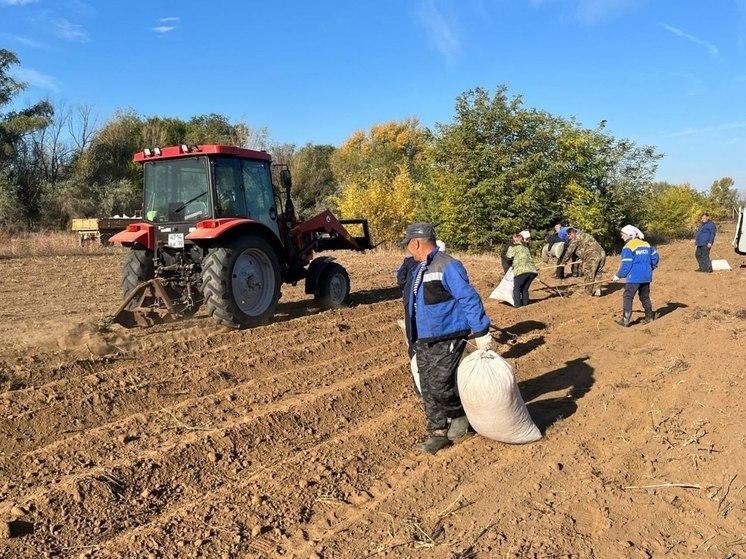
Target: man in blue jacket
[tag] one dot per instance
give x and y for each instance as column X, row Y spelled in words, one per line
column 704, row 241
column 639, row 259
column 442, row 309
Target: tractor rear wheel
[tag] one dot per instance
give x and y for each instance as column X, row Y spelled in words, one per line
column 241, row 282
column 333, row 287
column 138, row 267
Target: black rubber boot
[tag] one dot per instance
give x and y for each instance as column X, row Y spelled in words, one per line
column 438, row 441
column 459, row 429
column 626, row 317
column 649, row 317
column 560, row 273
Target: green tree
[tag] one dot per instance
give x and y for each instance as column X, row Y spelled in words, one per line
column 314, row 184
column 723, row 198
column 674, row 211
column 213, row 129
column 22, row 181
column 499, row 167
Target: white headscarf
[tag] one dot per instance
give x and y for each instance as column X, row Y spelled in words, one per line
column 525, row 234
column 632, row 231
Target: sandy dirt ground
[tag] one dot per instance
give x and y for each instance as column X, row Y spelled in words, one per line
column 297, row 439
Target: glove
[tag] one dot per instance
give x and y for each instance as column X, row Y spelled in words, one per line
column 615, row 278
column 485, row 342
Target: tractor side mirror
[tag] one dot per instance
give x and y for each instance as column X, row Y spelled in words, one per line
column 285, row 180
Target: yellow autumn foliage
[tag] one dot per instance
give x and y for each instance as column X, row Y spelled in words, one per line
column 388, row 206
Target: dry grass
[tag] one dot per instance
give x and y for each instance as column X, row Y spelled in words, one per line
column 58, row 243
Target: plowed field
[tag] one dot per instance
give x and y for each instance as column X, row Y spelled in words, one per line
column 297, row 439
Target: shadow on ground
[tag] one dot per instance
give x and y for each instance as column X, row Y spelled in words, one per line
column 307, row 307
column 576, row 375
column 669, row 308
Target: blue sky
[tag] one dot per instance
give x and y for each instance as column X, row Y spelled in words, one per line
column 668, row 73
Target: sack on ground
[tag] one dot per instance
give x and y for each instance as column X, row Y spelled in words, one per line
column 492, row 400
column 720, row 266
column 504, row 290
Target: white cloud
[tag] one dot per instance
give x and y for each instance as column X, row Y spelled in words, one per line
column 16, row 2
column 591, row 12
column 163, row 29
column 696, row 40
column 735, row 125
column 168, row 19
column 70, row 31
column 439, row 31
column 37, row 79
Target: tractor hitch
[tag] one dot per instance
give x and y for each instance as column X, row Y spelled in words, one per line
column 154, row 306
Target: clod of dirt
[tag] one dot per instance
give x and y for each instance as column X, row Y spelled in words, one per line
column 4, row 531
column 90, row 338
column 17, row 511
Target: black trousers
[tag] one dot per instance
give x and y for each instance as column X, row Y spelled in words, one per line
column 521, row 284
column 437, row 363
column 629, row 295
column 703, row 258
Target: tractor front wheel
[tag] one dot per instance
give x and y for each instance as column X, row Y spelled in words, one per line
column 241, row 282
column 138, row 267
column 333, row 287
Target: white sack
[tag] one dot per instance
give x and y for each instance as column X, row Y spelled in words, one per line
column 492, row 401
column 504, row 290
column 415, row 373
column 557, row 249
column 545, row 253
column 720, row 266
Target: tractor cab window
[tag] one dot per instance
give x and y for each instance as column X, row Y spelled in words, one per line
column 229, row 197
column 260, row 194
column 177, row 190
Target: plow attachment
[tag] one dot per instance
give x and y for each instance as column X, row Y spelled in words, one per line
column 154, row 306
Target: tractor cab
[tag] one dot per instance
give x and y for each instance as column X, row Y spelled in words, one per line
column 184, row 185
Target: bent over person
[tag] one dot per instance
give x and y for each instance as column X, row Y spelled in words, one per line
column 443, row 309
column 592, row 256
column 639, row 259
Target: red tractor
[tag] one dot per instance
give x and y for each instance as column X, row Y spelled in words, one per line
column 213, row 234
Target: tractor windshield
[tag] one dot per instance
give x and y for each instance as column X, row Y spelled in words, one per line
column 177, row 190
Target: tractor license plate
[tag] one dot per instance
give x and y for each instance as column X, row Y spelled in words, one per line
column 176, row 240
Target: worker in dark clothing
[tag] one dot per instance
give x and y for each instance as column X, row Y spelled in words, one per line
column 703, row 241
column 442, row 309
column 505, row 260
column 548, row 254
column 561, row 231
column 404, row 278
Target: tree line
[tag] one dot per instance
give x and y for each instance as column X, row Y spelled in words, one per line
column 497, row 167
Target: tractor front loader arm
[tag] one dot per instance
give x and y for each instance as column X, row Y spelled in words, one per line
column 326, row 232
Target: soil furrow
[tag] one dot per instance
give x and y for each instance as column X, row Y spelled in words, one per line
column 132, row 492
column 34, row 372
column 33, row 419
column 135, row 435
